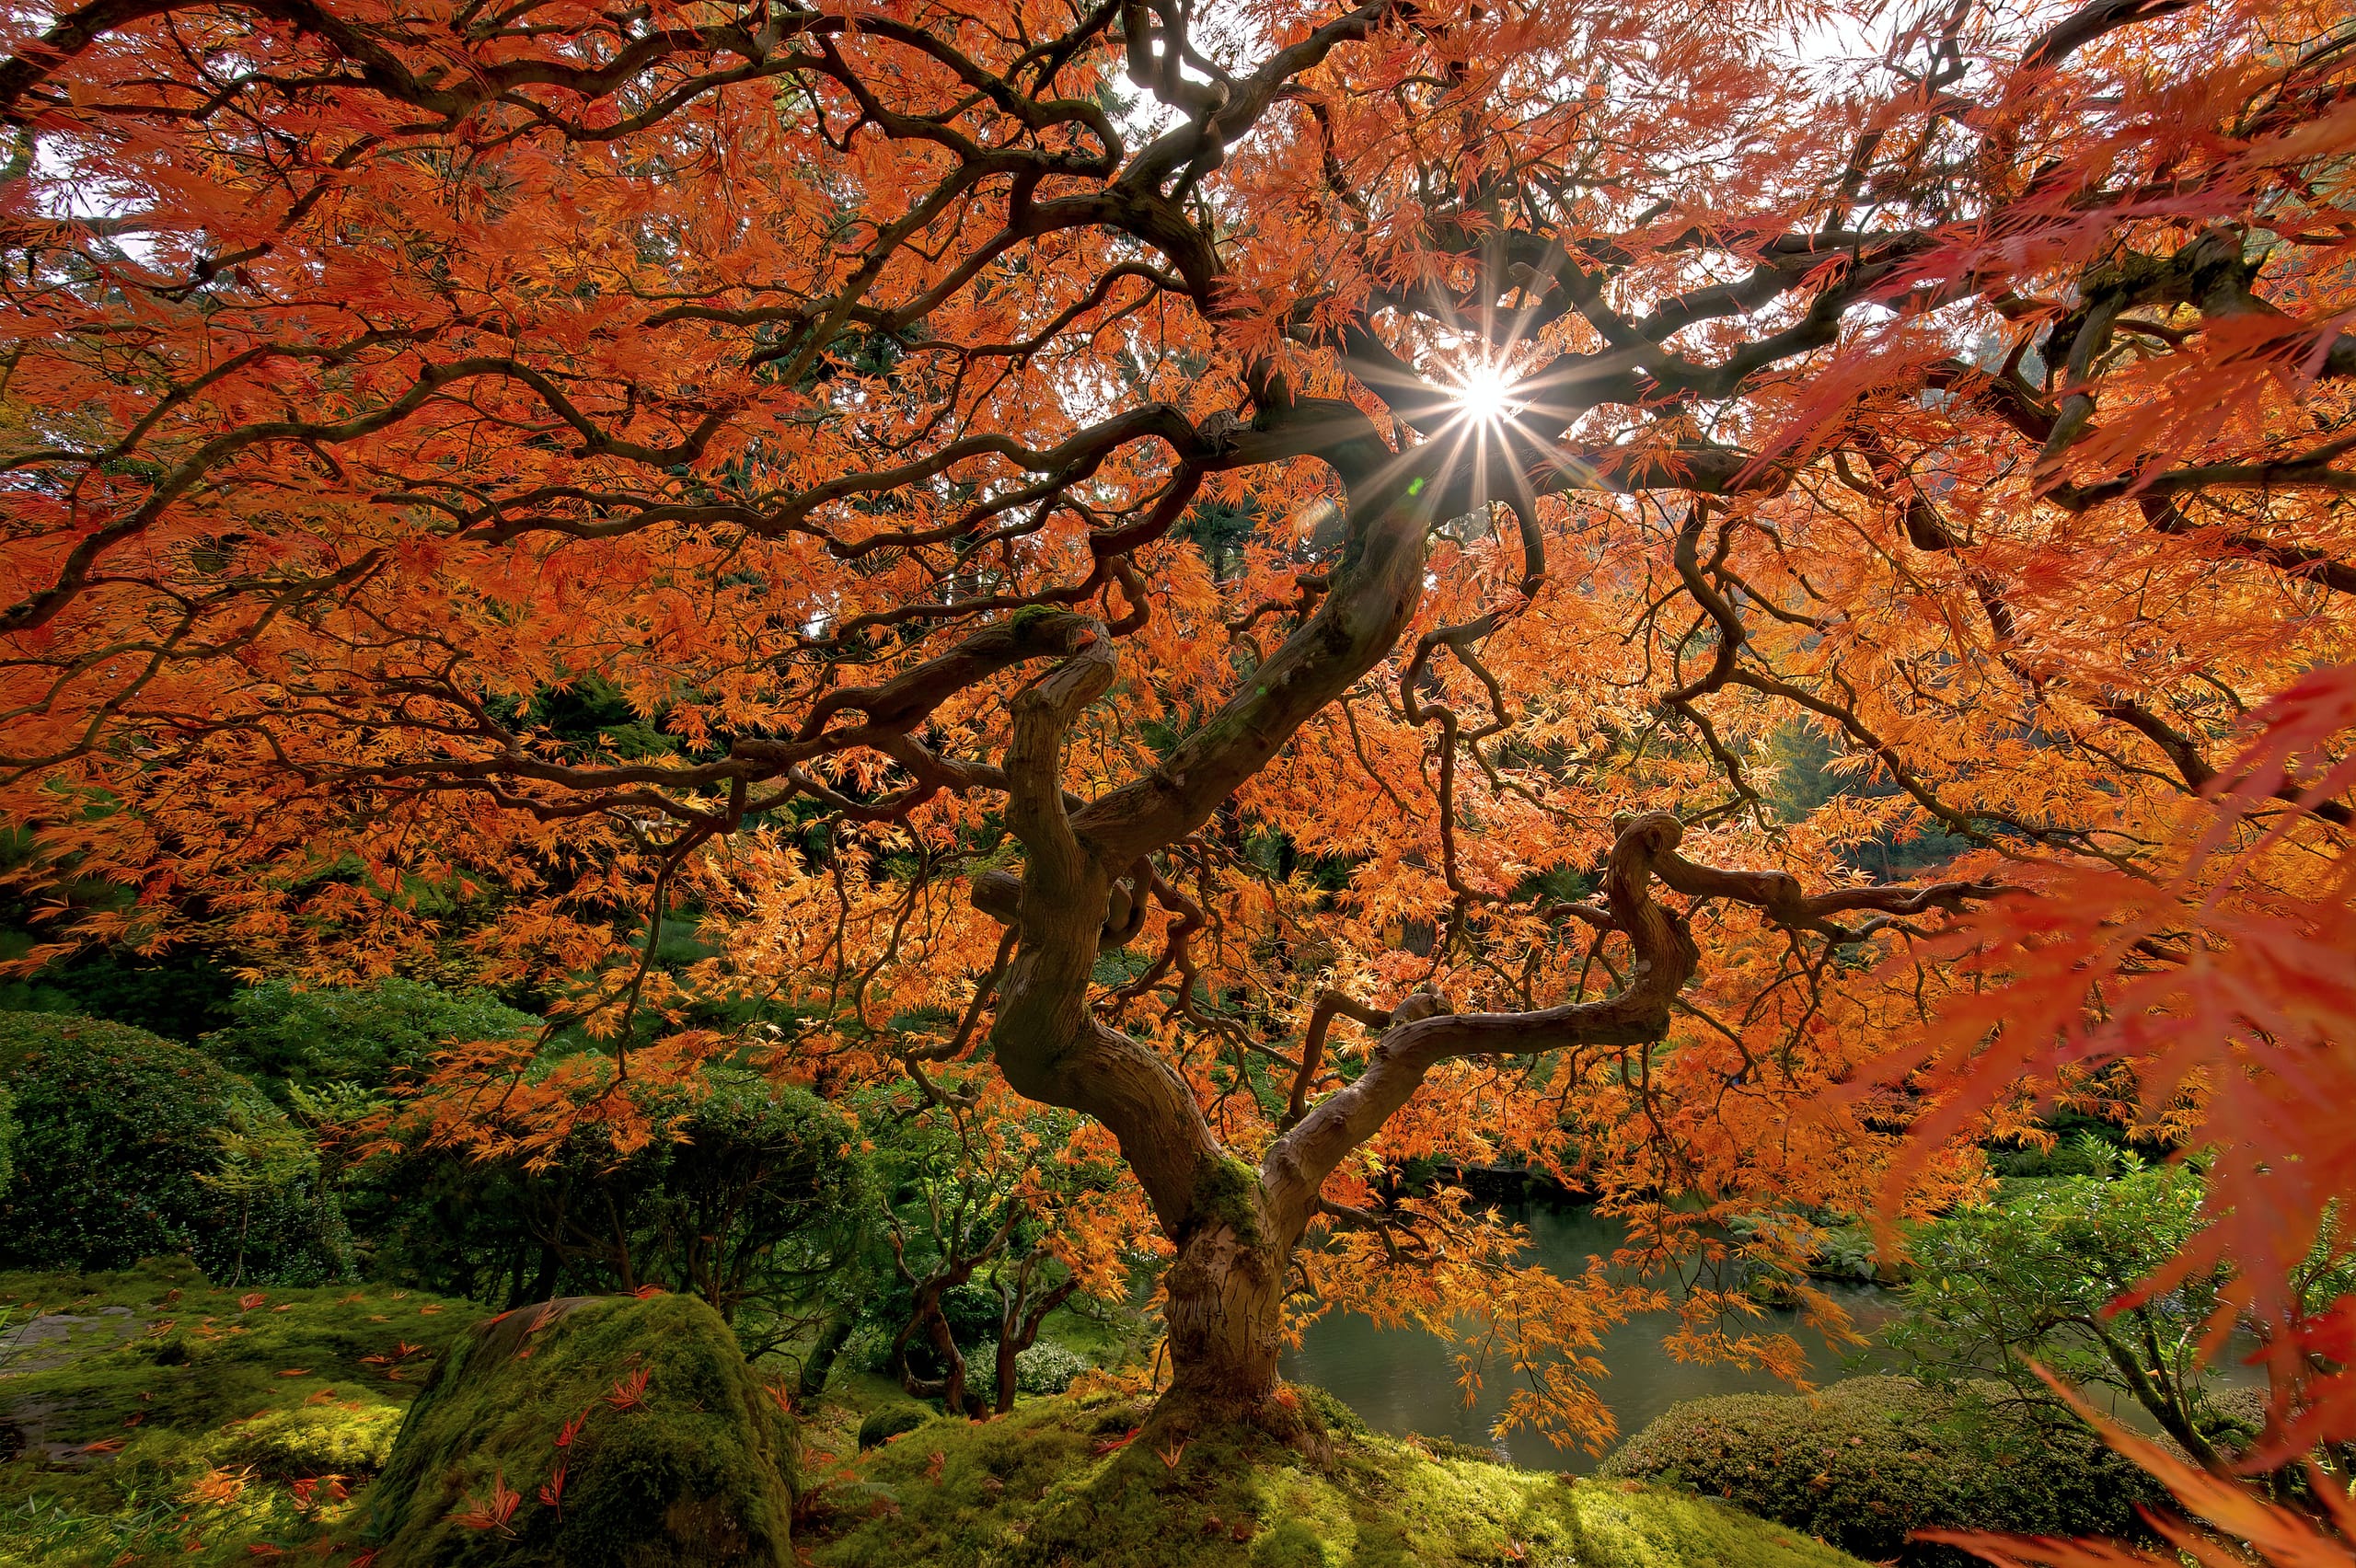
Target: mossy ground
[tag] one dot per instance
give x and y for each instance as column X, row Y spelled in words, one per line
column 222, row 1410
column 1056, row 1483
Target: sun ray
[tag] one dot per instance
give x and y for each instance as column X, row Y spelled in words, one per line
column 1484, row 394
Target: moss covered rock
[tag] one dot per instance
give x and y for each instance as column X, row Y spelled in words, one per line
column 888, row 1422
column 1866, row 1460
column 1064, row 1482
column 600, row 1431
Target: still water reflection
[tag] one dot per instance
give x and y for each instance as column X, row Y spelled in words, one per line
column 1403, row 1380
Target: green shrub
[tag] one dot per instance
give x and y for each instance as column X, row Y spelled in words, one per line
column 1047, row 1368
column 130, row 1146
column 179, row 994
column 756, row 1202
column 7, row 1137
column 363, row 1034
column 1866, row 1460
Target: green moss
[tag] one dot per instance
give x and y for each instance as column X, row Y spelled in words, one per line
column 1031, row 1490
column 297, row 1386
column 673, row 1451
column 1028, row 617
column 333, row 1439
column 1339, row 1419
column 1227, row 1191
column 889, row 1422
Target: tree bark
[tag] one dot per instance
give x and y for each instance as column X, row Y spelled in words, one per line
column 1223, row 1303
column 820, row 1362
column 1021, row 1314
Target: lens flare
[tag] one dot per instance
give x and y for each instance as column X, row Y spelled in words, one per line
column 1484, row 394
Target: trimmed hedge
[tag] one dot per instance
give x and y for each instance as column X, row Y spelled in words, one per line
column 116, row 1133
column 1866, row 1460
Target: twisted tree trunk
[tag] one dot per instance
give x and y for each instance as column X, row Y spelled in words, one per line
column 1235, row 1227
column 1223, row 1304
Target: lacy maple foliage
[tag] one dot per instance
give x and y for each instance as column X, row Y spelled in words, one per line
column 1265, row 571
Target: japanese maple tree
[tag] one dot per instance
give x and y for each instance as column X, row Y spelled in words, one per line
column 1253, row 571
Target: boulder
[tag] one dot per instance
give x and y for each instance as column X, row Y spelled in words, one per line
column 590, row 1432
column 887, row 1422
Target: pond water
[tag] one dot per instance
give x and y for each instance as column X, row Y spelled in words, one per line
column 1403, row 1380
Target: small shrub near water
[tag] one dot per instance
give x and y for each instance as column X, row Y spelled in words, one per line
column 1868, row 1460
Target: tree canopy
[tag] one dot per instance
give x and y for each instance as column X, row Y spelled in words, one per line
column 1267, row 573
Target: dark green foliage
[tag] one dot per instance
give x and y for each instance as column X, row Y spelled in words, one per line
column 2033, row 1277
column 363, row 1034
column 2083, row 1146
column 130, row 1146
column 439, row 1220
column 592, row 718
column 966, row 1258
column 1220, row 529
column 754, row 1205
column 9, row 1130
column 1867, row 1460
column 762, row 1197
column 1804, row 777
column 890, row 1420
column 691, row 1472
column 971, row 1310
column 178, row 996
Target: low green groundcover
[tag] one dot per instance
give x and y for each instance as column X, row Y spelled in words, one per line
column 148, row 1416
column 1061, row 1482
column 1866, row 1460
column 600, row 1431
